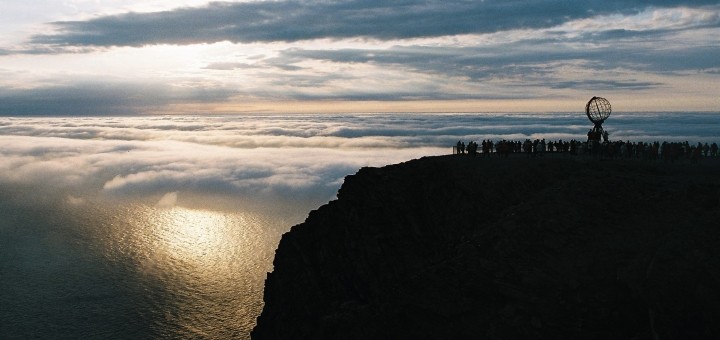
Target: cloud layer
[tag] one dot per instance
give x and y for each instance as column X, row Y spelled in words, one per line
column 100, row 97
column 265, row 159
column 255, row 55
column 269, row 21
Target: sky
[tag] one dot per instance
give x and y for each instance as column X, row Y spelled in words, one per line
column 95, row 57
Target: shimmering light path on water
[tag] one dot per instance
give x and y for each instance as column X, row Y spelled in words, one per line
column 135, row 270
column 210, row 263
column 149, row 226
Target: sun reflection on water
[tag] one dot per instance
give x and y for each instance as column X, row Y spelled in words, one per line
column 203, row 270
column 196, row 237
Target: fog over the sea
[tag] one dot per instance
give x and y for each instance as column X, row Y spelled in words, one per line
column 272, row 156
column 258, row 157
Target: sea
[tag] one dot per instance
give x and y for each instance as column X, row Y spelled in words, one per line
column 166, row 226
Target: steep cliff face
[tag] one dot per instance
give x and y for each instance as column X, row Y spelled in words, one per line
column 454, row 247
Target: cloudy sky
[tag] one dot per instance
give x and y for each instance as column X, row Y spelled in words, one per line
column 104, row 57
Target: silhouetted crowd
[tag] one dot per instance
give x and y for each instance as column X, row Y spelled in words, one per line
column 666, row 151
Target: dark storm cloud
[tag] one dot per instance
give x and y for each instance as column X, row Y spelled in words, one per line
column 90, row 98
column 269, row 21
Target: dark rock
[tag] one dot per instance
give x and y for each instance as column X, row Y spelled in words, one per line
column 456, row 247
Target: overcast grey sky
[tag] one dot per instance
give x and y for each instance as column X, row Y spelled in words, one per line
column 123, row 57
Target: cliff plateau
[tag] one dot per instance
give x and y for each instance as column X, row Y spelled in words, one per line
column 456, row 247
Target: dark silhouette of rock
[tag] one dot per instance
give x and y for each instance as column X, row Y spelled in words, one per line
column 460, row 248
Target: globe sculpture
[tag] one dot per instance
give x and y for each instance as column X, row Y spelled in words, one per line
column 598, row 110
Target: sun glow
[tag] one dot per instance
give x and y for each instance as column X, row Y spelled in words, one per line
column 194, row 236
column 208, row 245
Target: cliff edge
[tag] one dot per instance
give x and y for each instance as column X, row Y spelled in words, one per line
column 456, row 247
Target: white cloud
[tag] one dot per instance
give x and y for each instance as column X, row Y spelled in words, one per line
column 266, row 158
column 514, row 54
column 648, row 20
column 168, row 200
column 72, row 200
column 144, row 157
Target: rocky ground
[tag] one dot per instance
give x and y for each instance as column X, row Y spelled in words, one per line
column 455, row 247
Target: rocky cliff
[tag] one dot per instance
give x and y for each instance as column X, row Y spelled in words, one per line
column 456, row 248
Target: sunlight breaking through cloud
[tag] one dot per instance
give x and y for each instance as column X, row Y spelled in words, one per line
column 278, row 56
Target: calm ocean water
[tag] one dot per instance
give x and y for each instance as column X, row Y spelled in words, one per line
column 147, row 227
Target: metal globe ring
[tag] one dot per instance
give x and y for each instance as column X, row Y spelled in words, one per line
column 598, row 109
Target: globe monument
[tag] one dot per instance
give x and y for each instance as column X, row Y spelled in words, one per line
column 598, row 109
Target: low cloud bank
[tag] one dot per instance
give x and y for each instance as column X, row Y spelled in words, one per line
column 266, row 157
